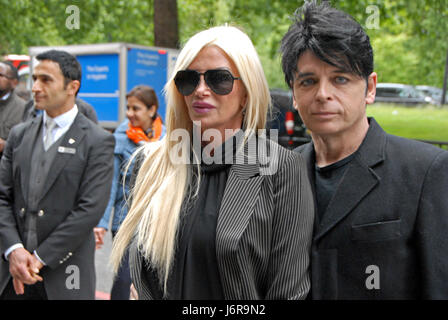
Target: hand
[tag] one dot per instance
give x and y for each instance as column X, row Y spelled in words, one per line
column 136, row 134
column 19, row 287
column 99, row 237
column 24, row 269
column 36, row 266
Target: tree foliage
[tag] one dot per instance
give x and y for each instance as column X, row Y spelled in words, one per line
column 410, row 41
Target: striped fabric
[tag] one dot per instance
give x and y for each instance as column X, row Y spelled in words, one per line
column 264, row 230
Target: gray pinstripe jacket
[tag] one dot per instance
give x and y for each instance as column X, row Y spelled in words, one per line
column 264, row 230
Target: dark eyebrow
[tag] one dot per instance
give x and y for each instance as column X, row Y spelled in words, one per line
column 307, row 74
column 340, row 70
column 42, row 75
column 304, row 74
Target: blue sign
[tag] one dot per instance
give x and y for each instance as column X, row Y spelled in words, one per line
column 100, row 84
column 149, row 67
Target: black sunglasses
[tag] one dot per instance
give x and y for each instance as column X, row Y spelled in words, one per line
column 220, row 81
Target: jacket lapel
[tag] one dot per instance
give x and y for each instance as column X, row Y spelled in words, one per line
column 307, row 152
column 241, row 192
column 240, row 195
column 71, row 139
column 25, row 152
column 357, row 182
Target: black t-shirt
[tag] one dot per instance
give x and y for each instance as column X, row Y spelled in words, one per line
column 327, row 181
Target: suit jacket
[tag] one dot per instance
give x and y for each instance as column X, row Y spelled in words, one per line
column 11, row 111
column 384, row 233
column 72, row 202
column 263, row 231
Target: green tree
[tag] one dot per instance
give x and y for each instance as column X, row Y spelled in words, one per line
column 410, row 43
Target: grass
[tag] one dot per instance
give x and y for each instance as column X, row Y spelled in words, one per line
column 426, row 123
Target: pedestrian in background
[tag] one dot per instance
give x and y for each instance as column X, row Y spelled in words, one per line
column 11, row 105
column 142, row 125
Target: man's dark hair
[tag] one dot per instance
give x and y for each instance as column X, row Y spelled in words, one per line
column 13, row 73
column 69, row 65
column 331, row 35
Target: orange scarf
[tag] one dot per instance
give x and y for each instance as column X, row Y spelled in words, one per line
column 137, row 135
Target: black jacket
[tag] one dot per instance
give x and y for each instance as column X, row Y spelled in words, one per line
column 384, row 233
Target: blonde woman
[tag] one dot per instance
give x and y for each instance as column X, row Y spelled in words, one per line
column 201, row 229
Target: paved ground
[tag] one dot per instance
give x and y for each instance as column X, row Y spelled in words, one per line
column 104, row 273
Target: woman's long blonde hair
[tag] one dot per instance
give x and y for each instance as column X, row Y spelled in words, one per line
column 162, row 185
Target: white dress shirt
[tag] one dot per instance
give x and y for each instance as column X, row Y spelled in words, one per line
column 63, row 121
column 6, row 96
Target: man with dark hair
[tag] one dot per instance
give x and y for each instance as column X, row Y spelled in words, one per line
column 382, row 211
column 71, row 70
column 11, row 105
column 55, row 172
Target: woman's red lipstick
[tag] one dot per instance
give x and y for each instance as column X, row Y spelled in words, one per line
column 202, row 107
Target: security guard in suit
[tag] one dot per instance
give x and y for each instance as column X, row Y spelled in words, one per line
column 55, row 173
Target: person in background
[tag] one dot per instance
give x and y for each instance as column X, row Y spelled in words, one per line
column 142, row 125
column 11, row 105
column 24, row 93
column 215, row 229
column 381, row 205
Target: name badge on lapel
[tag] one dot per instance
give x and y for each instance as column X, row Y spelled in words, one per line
column 66, row 150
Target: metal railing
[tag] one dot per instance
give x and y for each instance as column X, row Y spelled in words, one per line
column 440, row 144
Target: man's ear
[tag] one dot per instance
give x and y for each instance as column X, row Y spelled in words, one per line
column 294, row 102
column 73, row 87
column 371, row 88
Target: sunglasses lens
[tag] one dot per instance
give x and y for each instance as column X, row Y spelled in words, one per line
column 220, row 81
column 186, row 81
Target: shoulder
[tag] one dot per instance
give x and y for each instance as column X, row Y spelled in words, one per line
column 87, row 109
column 17, row 132
column 303, row 148
column 95, row 131
column 14, row 105
column 411, row 151
column 278, row 159
column 17, row 101
column 22, row 127
column 121, row 138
